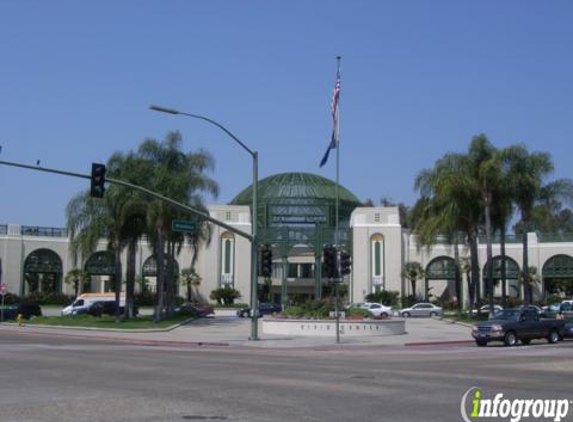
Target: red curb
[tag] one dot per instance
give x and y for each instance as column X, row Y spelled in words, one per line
column 128, row 340
column 438, row 343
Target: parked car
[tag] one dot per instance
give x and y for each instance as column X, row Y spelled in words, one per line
column 105, row 307
column 83, row 302
column 568, row 330
column 26, row 309
column 512, row 325
column 265, row 308
column 485, row 309
column 377, row 309
column 421, row 309
column 195, row 310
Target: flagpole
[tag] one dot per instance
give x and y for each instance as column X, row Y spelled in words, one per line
column 337, row 156
column 336, row 240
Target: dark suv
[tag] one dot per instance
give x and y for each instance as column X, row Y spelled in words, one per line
column 265, row 308
column 26, row 309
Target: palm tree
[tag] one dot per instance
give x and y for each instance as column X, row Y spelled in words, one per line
column 413, row 271
column 181, row 177
column 528, row 172
column 78, row 278
column 129, row 169
column 452, row 206
column 91, row 219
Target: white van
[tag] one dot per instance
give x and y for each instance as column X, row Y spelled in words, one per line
column 82, row 303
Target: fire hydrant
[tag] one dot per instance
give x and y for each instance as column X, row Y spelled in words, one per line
column 20, row 320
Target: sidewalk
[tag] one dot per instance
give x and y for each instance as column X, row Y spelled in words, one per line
column 232, row 331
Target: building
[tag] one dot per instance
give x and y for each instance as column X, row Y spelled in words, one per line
column 297, row 218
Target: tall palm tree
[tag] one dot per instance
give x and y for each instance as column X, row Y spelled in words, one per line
column 179, row 176
column 528, row 172
column 452, row 206
column 112, row 217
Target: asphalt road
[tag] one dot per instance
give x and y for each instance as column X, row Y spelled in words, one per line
column 55, row 378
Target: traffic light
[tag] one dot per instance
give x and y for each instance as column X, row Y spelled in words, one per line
column 329, row 262
column 345, row 263
column 97, row 188
column 267, row 261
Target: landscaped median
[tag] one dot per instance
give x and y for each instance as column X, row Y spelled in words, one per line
column 108, row 322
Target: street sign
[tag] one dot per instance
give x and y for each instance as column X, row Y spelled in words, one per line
column 3, row 288
column 183, row 226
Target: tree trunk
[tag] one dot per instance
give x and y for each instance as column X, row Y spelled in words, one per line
column 458, row 280
column 489, row 259
column 474, row 271
column 160, row 288
column 130, row 279
column 117, row 282
column 525, row 270
column 503, row 268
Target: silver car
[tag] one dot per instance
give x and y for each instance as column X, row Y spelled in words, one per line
column 421, row 309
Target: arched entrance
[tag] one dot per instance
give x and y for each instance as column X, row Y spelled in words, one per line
column 442, row 271
column 42, row 272
column 511, row 276
column 557, row 276
column 150, row 272
column 101, row 265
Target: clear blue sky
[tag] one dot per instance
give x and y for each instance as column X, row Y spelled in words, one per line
column 419, row 79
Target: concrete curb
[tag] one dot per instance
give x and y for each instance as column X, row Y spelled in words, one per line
column 111, row 330
column 438, row 343
column 452, row 321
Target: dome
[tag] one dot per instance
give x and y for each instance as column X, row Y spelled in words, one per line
column 298, row 199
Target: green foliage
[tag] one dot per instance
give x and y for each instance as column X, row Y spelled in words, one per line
column 225, row 295
column 408, row 301
column 48, row 298
column 145, row 298
column 385, row 297
column 316, row 309
column 513, row 302
column 237, row 305
column 358, row 312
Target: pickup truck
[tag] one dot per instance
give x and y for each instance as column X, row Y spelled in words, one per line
column 513, row 325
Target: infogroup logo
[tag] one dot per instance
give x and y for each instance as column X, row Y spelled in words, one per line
column 475, row 407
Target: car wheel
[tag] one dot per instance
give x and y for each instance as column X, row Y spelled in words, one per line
column 406, row 314
column 433, row 314
column 553, row 336
column 526, row 341
column 510, row 339
column 384, row 315
column 481, row 343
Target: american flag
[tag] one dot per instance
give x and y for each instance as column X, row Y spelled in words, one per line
column 334, row 109
column 334, row 105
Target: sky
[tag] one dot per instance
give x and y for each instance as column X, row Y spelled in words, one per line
column 418, row 79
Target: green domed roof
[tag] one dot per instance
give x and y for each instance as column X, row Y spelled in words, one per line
column 298, row 198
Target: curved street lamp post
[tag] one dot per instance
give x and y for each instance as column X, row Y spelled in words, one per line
column 254, row 216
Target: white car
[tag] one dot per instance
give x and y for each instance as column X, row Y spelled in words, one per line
column 421, row 309
column 377, row 309
column 485, row 309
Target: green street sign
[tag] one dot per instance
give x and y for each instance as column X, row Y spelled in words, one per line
column 183, row 226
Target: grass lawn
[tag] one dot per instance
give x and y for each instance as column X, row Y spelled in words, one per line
column 139, row 323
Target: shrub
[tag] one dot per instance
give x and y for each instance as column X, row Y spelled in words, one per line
column 385, row 297
column 145, row 298
column 358, row 312
column 513, row 302
column 225, row 295
column 48, row 298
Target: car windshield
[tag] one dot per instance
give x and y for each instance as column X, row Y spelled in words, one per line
column 506, row 315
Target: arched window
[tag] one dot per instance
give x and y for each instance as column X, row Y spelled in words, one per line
column 377, row 261
column 43, row 272
column 227, row 259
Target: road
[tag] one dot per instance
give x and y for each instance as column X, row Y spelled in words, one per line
column 45, row 377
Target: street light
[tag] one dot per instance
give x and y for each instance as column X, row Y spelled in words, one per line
column 254, row 214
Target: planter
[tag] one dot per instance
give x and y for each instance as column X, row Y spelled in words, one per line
column 348, row 328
